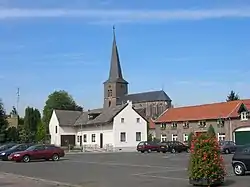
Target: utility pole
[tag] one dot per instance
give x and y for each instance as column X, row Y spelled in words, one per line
column 17, row 101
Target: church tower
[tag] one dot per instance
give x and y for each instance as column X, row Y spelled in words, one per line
column 115, row 87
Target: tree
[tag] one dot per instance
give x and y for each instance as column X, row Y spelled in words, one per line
column 190, row 137
column 60, row 100
column 206, row 165
column 14, row 111
column 232, row 96
column 41, row 132
column 12, row 134
column 3, row 122
column 29, row 128
column 211, row 131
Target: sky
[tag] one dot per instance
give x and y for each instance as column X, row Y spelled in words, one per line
column 197, row 51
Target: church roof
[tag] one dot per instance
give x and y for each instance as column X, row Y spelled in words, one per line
column 145, row 97
column 115, row 72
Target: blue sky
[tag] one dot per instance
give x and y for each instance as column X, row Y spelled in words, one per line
column 196, row 50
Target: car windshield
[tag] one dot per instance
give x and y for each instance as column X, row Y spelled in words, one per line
column 14, row 147
column 32, row 148
column 222, row 143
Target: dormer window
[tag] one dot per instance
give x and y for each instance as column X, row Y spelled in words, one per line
column 243, row 116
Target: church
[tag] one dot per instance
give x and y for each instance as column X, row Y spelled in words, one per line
column 120, row 124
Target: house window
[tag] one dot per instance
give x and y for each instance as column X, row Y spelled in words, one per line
column 185, row 138
column 174, row 137
column 93, row 138
column 163, row 126
column 185, row 125
column 78, row 139
column 138, row 120
column 85, row 138
column 221, row 136
column 138, row 136
column 56, row 129
column 174, row 125
column 163, row 138
column 109, row 93
column 202, row 124
column 123, row 137
column 243, row 116
column 220, row 123
column 122, row 120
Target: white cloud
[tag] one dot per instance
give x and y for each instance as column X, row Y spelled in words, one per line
column 126, row 15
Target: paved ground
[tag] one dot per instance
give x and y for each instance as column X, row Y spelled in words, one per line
column 115, row 169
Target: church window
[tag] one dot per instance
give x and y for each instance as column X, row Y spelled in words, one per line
column 109, row 93
column 109, row 103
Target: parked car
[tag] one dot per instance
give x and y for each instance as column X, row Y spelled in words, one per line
column 241, row 160
column 19, row 147
column 147, row 146
column 173, row 147
column 227, row 147
column 38, row 152
column 6, row 146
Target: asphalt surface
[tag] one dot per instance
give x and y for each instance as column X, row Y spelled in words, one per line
column 115, row 169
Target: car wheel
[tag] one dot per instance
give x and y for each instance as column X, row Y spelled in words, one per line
column 173, row 151
column 227, row 151
column 55, row 157
column 163, row 151
column 26, row 158
column 239, row 169
column 149, row 150
column 142, row 151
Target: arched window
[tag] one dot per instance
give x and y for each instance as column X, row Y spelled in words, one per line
column 109, row 93
column 109, row 103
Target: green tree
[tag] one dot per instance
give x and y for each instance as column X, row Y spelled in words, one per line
column 60, row 100
column 13, row 111
column 232, row 96
column 29, row 128
column 41, row 132
column 211, row 131
column 190, row 137
column 12, row 134
column 3, row 122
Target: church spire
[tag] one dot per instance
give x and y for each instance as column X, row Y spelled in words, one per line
column 115, row 72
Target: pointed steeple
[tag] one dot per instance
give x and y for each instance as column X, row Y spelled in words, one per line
column 115, row 72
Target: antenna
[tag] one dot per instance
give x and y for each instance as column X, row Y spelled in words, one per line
column 17, row 101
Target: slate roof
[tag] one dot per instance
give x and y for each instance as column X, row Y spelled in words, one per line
column 145, row 97
column 75, row 118
column 67, row 117
column 203, row 112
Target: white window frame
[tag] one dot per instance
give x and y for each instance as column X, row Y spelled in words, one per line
column 121, row 140
column 138, row 120
column 174, row 125
column 163, row 137
column 93, row 138
column 243, row 116
column 85, row 138
column 78, row 139
column 139, row 139
column 174, row 137
column 56, row 130
column 122, row 120
column 221, row 136
column 185, row 137
column 186, row 125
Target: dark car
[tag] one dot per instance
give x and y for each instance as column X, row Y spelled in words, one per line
column 241, row 160
column 38, row 152
column 19, row 147
column 147, row 146
column 6, row 146
column 173, row 147
column 228, row 147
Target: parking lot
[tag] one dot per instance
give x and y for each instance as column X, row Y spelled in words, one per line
column 115, row 169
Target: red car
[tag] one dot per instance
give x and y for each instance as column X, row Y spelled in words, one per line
column 147, row 146
column 38, row 152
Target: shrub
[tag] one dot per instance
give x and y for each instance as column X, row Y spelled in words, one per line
column 211, row 131
column 206, row 161
column 190, row 137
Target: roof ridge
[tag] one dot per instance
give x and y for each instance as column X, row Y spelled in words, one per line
column 146, row 92
column 239, row 103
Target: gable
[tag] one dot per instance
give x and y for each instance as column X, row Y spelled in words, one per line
column 242, row 108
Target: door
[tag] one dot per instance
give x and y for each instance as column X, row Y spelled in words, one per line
column 242, row 137
column 39, row 152
column 101, row 140
column 80, row 140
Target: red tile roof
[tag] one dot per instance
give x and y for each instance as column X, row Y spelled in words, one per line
column 151, row 123
column 203, row 112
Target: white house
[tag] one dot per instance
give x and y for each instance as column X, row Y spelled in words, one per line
column 120, row 127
